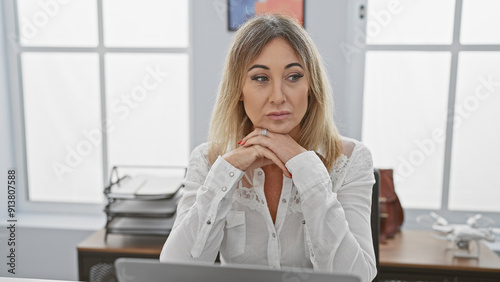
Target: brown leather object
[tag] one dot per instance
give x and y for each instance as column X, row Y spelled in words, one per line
column 391, row 212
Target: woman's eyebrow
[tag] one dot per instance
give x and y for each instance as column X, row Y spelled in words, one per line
column 267, row 68
column 293, row 64
column 258, row 66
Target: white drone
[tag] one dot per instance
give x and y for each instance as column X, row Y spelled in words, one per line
column 477, row 228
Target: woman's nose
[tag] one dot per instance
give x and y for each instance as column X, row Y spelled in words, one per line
column 277, row 95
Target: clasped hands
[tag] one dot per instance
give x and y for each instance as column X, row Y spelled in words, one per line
column 257, row 150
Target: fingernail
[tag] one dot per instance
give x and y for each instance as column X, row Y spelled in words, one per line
column 240, row 141
column 243, row 143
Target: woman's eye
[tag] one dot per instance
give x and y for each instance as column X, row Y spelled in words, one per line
column 260, row 78
column 295, row 77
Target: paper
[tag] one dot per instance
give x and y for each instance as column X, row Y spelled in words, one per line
column 145, row 185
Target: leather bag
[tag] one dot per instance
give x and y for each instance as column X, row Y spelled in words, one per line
column 391, row 212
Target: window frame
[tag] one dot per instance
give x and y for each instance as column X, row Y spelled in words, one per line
column 355, row 87
column 14, row 51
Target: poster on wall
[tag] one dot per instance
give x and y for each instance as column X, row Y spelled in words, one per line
column 239, row 11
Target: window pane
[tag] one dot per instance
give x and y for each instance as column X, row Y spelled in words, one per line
column 474, row 163
column 404, row 117
column 63, row 133
column 147, row 108
column 57, row 23
column 145, row 23
column 410, row 22
column 480, row 22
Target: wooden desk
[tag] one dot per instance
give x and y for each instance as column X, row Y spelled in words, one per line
column 416, row 255
column 94, row 250
column 410, row 256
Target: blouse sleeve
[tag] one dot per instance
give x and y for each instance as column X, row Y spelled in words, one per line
column 338, row 229
column 198, row 228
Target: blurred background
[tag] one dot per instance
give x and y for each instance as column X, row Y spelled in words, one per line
column 89, row 84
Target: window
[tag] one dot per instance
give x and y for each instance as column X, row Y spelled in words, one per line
column 430, row 100
column 400, row 125
column 97, row 84
column 474, row 155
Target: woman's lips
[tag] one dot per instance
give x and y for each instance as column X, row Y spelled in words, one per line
column 278, row 116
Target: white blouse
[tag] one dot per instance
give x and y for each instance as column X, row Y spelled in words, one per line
column 322, row 222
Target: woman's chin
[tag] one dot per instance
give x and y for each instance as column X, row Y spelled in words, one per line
column 280, row 128
column 284, row 130
column 277, row 129
column 281, row 131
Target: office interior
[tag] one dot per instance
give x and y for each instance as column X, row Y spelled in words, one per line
column 417, row 81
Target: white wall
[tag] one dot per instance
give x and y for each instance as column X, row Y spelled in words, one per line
column 6, row 146
column 45, row 253
column 6, row 151
column 50, row 253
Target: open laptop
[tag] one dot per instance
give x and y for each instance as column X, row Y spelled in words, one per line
column 144, row 270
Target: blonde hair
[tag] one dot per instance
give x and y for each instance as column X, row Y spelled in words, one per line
column 229, row 122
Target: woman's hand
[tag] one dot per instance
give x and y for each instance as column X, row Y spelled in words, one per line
column 258, row 150
column 254, row 156
column 280, row 144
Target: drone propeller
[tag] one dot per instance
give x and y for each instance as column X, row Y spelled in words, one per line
column 439, row 219
column 432, row 219
column 479, row 221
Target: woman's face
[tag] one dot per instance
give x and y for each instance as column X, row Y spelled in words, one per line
column 275, row 89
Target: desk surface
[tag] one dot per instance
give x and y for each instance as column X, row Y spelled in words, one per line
column 120, row 243
column 418, row 249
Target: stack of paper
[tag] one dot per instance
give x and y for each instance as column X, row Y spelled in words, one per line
column 147, row 185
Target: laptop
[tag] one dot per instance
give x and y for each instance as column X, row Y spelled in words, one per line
column 145, row 270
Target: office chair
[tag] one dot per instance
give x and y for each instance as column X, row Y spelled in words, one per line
column 375, row 218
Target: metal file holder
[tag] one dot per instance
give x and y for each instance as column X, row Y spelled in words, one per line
column 139, row 214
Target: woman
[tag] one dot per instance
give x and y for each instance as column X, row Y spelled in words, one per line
column 291, row 192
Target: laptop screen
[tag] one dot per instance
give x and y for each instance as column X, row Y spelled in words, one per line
column 143, row 270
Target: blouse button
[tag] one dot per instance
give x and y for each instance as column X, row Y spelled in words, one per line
column 274, row 235
column 303, row 222
column 284, row 201
column 209, row 222
column 231, row 174
column 259, row 173
column 224, row 189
